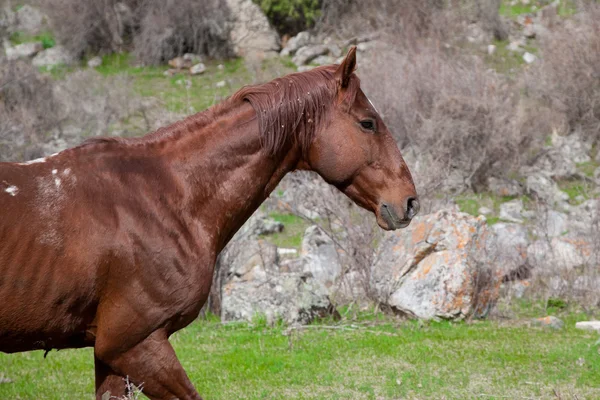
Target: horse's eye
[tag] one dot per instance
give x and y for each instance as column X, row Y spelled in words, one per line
column 368, row 124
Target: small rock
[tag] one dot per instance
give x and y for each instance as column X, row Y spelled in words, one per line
column 304, row 68
column 221, row 84
column 220, row 67
column 192, row 58
column 23, row 50
column 529, row 31
column 198, row 69
column 529, row 58
column 56, row 55
column 504, row 187
column 588, row 326
column 323, row 60
column 306, row 54
column 267, row 226
column 511, row 211
column 484, row 211
column 491, row 49
column 334, row 50
column 515, row 46
column 549, row 322
column 170, row 72
column 178, row 63
column 95, row 62
column 286, row 252
column 294, row 44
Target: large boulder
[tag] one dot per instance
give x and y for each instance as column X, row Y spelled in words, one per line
column 251, row 34
column 437, row 268
column 256, row 287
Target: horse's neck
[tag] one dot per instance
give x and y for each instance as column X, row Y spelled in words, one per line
column 226, row 173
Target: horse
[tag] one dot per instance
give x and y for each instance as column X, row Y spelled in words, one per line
column 112, row 244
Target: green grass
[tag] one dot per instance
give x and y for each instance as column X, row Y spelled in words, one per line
column 588, row 168
column 46, row 38
column 292, row 234
column 374, row 358
column 576, row 188
column 505, row 61
column 470, row 203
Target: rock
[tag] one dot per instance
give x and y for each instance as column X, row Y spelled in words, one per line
column 581, row 219
column 508, row 246
column 24, row 50
column 267, row 226
column 251, row 33
column 320, row 256
column 484, row 211
column 548, row 322
column 437, row 268
column 588, row 325
column 334, row 50
column 572, row 147
column 308, row 53
column 170, row 72
column 529, row 58
column 491, row 49
column 192, row 58
column 512, row 211
column 544, row 188
column 57, row 55
column 556, row 254
column 515, row 46
column 504, row 187
column 221, row 84
column 179, row 63
column 529, row 31
column 323, row 60
column 94, row 62
column 552, row 223
column 4, row 378
column 300, row 40
column 256, row 287
column 198, row 69
column 29, row 20
column 304, row 68
column 475, row 33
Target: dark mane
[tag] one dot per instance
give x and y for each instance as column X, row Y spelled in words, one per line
column 292, row 107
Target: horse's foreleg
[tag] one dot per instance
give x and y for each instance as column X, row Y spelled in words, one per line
column 153, row 366
column 109, row 385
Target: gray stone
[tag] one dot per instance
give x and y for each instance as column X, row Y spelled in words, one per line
column 529, row 58
column 221, row 84
column 251, row 34
column 515, row 46
column 334, row 50
column 323, row 60
column 94, row 62
column 57, row 55
column 588, row 326
column 548, row 322
column 545, row 189
column 504, row 187
column 553, row 223
column 430, row 269
column 304, row 68
column 193, row 58
column 306, row 54
column 320, row 256
column 198, row 69
column 491, row 49
column 555, row 254
column 267, row 226
column 256, row 286
column 508, row 246
column 24, row 50
column 300, row 40
column 29, row 20
column 511, row 211
column 484, row 211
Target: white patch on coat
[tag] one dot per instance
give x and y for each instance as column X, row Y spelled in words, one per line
column 12, row 190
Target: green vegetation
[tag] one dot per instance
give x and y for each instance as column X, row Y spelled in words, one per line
column 575, row 189
column 46, row 38
column 588, row 168
column 370, row 357
column 506, row 61
column 470, row 203
column 291, row 16
column 292, row 235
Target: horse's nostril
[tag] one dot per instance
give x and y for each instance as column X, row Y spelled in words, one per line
column 412, row 207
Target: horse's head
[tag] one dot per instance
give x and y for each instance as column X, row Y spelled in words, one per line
column 356, row 153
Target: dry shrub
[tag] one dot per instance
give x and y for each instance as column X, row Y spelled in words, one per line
column 170, row 28
column 450, row 111
column 28, row 111
column 156, row 30
column 567, row 78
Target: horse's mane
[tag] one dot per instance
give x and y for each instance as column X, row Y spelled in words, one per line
column 292, row 107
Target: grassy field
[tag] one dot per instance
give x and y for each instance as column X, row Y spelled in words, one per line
column 373, row 357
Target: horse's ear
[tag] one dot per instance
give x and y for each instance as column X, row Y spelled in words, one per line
column 346, row 69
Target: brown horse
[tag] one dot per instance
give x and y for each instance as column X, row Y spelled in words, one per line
column 112, row 244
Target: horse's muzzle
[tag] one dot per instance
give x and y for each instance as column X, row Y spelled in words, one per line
column 391, row 218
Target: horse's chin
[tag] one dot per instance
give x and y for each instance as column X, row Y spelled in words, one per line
column 389, row 224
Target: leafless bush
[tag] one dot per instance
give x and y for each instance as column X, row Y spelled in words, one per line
column 156, row 30
column 28, row 111
column 567, row 78
column 456, row 116
column 170, row 28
